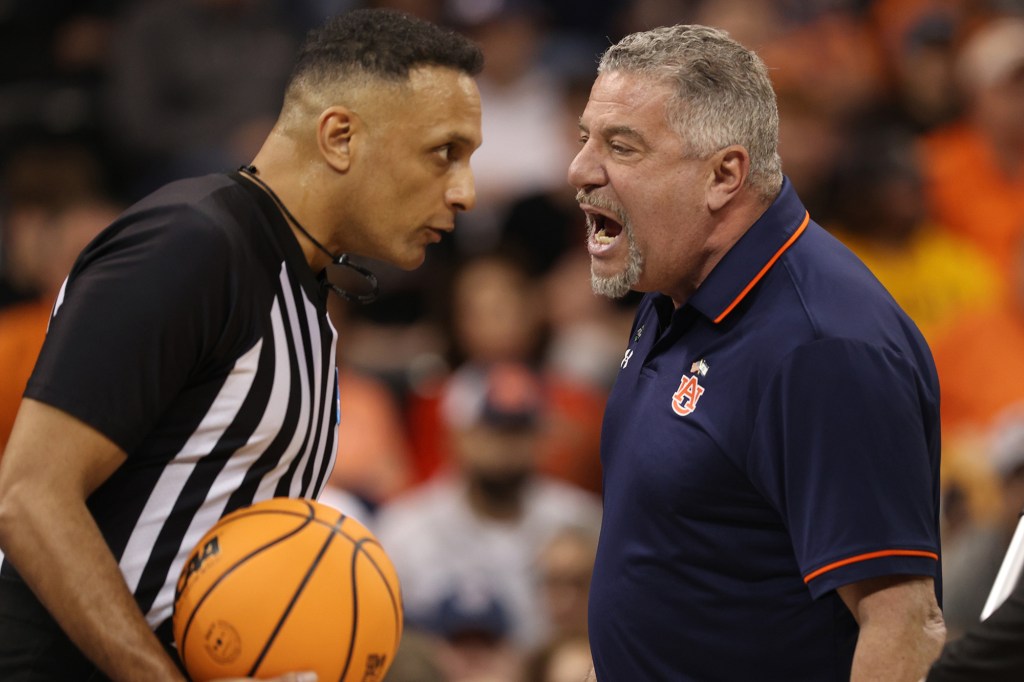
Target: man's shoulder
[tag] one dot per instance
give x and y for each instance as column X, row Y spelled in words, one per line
column 836, row 291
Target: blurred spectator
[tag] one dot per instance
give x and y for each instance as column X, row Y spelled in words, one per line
column 564, row 566
column 194, row 85
column 971, row 560
column 495, row 315
column 918, row 42
column 474, row 644
column 499, row 314
column 523, row 152
column 56, row 205
column 935, row 276
column 975, row 167
column 465, row 544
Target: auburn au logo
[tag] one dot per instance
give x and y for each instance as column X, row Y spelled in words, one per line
column 684, row 400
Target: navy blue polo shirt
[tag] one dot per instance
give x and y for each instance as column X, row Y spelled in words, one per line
column 773, row 439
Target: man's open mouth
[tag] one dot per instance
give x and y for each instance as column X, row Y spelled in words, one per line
column 605, row 229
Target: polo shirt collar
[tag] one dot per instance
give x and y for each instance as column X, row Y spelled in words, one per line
column 752, row 256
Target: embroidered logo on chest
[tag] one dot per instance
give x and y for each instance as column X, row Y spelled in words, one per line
column 684, row 400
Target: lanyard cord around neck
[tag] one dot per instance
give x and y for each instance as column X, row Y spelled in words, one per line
column 341, row 259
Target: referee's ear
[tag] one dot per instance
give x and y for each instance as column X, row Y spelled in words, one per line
column 334, row 132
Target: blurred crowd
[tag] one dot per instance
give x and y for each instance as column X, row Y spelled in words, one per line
column 472, row 390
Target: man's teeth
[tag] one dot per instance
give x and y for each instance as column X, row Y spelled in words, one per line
column 602, row 237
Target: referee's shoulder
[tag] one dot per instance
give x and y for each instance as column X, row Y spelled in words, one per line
column 203, row 209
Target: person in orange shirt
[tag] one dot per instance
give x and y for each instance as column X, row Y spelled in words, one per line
column 975, row 168
column 980, row 361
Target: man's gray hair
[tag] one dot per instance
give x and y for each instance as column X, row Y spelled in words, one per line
column 723, row 94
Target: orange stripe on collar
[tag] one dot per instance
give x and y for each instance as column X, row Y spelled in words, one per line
column 766, row 268
column 870, row 555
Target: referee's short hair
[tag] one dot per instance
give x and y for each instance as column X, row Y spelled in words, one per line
column 378, row 44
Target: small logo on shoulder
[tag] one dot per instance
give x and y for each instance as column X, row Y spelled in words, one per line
column 684, row 400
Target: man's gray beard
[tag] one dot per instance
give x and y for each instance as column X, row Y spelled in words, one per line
column 621, row 284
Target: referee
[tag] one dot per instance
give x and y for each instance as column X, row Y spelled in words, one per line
column 189, row 366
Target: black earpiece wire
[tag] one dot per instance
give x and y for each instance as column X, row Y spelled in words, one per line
column 341, row 259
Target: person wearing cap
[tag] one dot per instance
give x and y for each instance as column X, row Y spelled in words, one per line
column 466, row 542
column 771, row 443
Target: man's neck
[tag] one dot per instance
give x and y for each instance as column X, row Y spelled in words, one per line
column 294, row 190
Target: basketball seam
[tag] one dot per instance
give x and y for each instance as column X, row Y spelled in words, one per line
column 295, row 597
column 395, row 602
column 355, row 612
column 357, row 550
column 229, row 571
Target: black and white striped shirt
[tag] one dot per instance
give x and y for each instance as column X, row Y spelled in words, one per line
column 193, row 334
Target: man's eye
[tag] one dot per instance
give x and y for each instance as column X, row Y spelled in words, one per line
column 583, row 139
column 619, row 149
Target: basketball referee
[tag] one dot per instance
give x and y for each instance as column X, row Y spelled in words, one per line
column 189, row 367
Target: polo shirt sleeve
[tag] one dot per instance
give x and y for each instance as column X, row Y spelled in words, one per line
column 841, row 448
column 142, row 307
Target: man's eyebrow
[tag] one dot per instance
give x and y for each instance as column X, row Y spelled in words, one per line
column 623, row 131
column 613, row 130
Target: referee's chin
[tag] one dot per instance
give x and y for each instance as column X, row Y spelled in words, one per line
column 409, row 260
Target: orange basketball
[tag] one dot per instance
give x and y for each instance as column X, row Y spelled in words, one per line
column 288, row 585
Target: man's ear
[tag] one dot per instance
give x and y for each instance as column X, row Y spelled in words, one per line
column 729, row 169
column 334, row 132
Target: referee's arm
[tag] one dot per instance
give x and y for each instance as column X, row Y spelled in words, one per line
column 901, row 627
column 52, row 463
